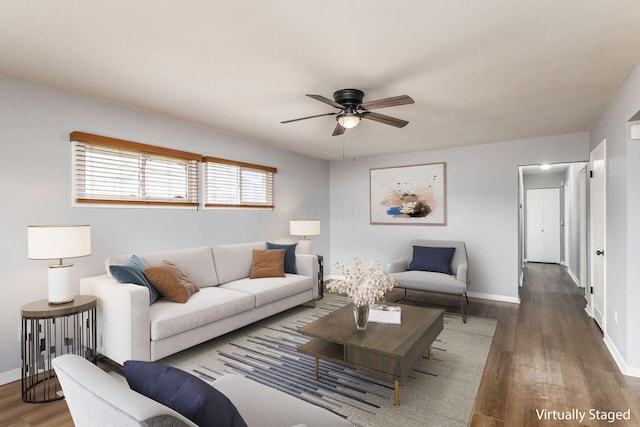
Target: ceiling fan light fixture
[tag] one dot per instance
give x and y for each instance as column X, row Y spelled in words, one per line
column 348, row 119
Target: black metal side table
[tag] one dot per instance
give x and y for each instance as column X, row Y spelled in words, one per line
column 49, row 331
column 320, row 277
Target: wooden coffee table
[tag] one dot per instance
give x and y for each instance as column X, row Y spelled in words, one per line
column 383, row 350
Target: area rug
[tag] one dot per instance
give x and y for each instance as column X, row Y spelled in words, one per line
column 439, row 392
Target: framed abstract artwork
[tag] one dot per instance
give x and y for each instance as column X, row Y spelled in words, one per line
column 414, row 195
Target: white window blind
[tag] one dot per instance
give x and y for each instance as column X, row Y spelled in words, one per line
column 228, row 183
column 108, row 170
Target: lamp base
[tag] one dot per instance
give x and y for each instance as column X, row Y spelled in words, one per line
column 60, row 288
column 304, row 246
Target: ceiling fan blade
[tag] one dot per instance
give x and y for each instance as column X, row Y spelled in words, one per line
column 387, row 120
column 309, row 117
column 387, row 102
column 326, row 101
column 339, row 130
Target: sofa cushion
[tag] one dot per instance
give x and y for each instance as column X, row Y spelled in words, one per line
column 207, row 306
column 171, row 282
column 256, row 403
column 437, row 260
column 233, row 262
column 429, row 281
column 182, row 392
column 132, row 271
column 270, row 289
column 289, row 256
column 267, row 263
column 196, row 263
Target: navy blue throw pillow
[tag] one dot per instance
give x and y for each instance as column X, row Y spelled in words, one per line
column 132, row 271
column 437, row 260
column 289, row 256
column 182, row 392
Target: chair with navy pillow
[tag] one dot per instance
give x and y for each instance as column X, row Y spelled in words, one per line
column 439, row 266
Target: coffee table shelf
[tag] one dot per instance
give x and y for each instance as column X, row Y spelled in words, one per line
column 325, row 350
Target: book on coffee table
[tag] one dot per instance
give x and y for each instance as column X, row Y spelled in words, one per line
column 382, row 313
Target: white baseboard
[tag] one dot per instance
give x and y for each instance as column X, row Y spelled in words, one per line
column 574, row 278
column 521, row 278
column 622, row 364
column 492, row 297
column 10, row 376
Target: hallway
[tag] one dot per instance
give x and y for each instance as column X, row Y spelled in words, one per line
column 549, row 355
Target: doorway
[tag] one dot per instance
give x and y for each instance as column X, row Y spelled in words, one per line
column 569, row 184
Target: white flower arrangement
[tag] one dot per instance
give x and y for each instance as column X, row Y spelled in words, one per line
column 363, row 286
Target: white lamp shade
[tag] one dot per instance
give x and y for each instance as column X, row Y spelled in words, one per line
column 304, row 227
column 58, row 241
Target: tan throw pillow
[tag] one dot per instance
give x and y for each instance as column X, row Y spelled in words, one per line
column 171, row 282
column 268, row 263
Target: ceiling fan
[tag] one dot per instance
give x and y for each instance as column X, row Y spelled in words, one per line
column 352, row 109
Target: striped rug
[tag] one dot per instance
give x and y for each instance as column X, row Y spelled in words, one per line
column 439, row 392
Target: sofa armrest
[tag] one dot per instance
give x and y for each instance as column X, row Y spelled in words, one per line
column 307, row 265
column 397, row 266
column 461, row 274
column 123, row 318
column 95, row 398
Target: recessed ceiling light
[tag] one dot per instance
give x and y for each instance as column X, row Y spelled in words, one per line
column 545, row 166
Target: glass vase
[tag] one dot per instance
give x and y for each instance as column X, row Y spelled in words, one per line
column 361, row 316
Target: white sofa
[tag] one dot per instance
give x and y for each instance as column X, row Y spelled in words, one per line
column 131, row 329
column 96, row 399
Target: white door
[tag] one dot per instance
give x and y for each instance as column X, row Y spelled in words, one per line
column 597, row 185
column 543, row 225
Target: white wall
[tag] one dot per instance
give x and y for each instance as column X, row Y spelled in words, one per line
column 573, row 228
column 35, row 178
column 482, row 207
column 622, row 224
column 543, row 180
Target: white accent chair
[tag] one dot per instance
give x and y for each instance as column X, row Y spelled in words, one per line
column 452, row 284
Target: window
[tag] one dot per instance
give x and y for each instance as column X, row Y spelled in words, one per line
column 108, row 170
column 234, row 184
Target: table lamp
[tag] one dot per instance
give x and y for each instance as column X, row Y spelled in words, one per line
column 304, row 228
column 58, row 242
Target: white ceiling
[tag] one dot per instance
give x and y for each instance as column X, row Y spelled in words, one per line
column 479, row 71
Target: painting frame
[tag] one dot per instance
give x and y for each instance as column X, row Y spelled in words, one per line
column 408, row 195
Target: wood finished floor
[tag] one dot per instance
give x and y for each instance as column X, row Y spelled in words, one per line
column 546, row 354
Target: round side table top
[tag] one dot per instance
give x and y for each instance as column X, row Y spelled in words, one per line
column 42, row 308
